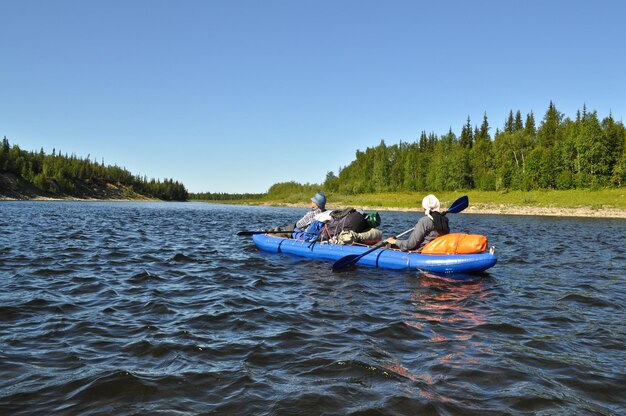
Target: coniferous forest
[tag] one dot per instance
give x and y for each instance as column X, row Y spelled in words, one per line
column 223, row 196
column 561, row 153
column 63, row 175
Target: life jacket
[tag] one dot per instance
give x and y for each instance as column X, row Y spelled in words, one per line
column 456, row 243
column 440, row 222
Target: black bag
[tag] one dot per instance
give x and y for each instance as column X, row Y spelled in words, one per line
column 339, row 214
column 346, row 219
column 356, row 222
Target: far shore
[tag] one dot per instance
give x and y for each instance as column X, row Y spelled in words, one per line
column 501, row 209
column 474, row 208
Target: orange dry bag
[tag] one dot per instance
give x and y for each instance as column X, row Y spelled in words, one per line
column 456, row 243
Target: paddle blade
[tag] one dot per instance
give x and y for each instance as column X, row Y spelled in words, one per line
column 346, row 261
column 250, row 232
column 352, row 259
column 459, row 205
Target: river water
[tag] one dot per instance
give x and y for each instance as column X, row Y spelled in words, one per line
column 159, row 308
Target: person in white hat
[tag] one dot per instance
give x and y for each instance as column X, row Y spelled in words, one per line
column 432, row 225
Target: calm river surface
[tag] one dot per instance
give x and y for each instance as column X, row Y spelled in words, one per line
column 159, row 308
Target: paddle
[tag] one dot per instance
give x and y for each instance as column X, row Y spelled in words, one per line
column 263, row 232
column 458, row 205
column 352, row 259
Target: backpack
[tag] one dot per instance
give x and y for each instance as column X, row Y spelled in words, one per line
column 310, row 234
column 341, row 213
column 347, row 219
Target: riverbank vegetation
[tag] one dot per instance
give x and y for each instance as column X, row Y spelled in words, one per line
column 561, row 154
column 601, row 199
column 563, row 163
column 607, row 202
column 224, row 197
column 28, row 174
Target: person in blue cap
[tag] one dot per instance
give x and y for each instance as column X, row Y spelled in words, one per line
column 318, row 205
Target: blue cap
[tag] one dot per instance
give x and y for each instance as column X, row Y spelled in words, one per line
column 319, row 199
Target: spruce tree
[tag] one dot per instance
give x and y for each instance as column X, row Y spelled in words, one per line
column 518, row 124
column 509, row 123
column 484, row 128
column 530, row 126
column 466, row 139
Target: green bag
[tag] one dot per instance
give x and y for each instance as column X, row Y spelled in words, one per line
column 373, row 219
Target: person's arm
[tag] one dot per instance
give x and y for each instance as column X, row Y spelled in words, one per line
column 306, row 220
column 415, row 238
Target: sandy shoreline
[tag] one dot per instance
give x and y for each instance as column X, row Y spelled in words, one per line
column 527, row 210
column 475, row 208
column 547, row 211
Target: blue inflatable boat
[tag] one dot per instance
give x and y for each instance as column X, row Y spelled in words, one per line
column 382, row 258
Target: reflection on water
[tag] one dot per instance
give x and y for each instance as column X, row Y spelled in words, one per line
column 447, row 312
column 154, row 308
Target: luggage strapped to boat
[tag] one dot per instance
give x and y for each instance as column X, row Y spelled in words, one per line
column 456, row 243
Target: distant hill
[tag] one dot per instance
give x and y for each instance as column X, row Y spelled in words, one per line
column 15, row 187
column 28, row 175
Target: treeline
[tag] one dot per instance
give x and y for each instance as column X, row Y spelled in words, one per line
column 284, row 191
column 561, row 153
column 71, row 175
column 292, row 192
column 222, row 196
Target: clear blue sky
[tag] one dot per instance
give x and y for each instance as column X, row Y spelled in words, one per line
column 234, row 96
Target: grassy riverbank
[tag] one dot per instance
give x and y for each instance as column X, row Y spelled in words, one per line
column 602, row 199
column 580, row 203
column 604, row 203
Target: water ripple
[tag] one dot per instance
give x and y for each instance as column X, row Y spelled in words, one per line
column 154, row 308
